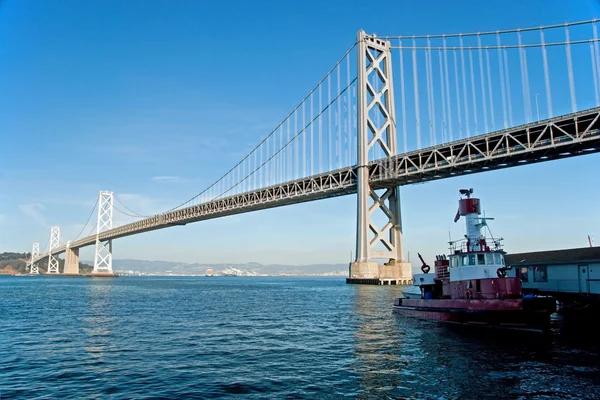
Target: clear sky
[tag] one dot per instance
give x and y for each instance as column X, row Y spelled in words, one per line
column 154, row 99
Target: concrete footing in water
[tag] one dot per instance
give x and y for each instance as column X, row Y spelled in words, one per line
column 102, row 275
column 378, row 281
column 391, row 273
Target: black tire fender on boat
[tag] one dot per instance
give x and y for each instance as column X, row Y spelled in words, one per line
column 469, row 294
column 501, row 273
column 425, row 268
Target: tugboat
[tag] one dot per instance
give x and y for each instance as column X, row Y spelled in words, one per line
column 472, row 285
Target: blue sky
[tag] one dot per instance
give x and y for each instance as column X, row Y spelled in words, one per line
column 155, row 99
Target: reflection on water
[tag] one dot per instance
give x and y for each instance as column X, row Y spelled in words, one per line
column 378, row 344
column 313, row 338
column 405, row 357
column 98, row 322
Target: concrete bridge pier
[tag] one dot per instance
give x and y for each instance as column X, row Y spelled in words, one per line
column 71, row 261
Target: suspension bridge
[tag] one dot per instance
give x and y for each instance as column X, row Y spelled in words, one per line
column 346, row 136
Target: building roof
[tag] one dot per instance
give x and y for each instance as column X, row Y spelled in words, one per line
column 566, row 256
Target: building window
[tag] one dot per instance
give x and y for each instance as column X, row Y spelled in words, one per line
column 540, row 274
column 524, row 274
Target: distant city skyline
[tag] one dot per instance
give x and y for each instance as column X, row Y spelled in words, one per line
column 156, row 100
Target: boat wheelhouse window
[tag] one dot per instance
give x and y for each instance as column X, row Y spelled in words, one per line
column 481, row 259
column 540, row 273
column 489, row 258
column 463, row 260
column 497, row 259
column 524, row 274
column 471, row 259
column 453, row 262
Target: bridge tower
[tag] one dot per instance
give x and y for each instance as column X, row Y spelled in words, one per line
column 54, row 243
column 35, row 253
column 103, row 257
column 377, row 130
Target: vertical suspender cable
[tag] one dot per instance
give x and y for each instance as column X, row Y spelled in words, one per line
column 464, row 86
column 433, row 118
column 596, row 53
column 330, row 128
column 508, row 93
column 490, row 92
column 402, row 95
column 458, row 107
column 502, row 88
column 482, row 82
column 320, row 142
column 570, row 69
column 448, row 104
column 428, row 81
column 304, row 157
column 594, row 73
column 348, row 114
column 339, row 119
column 546, row 75
column 472, row 71
column 416, row 94
column 443, row 87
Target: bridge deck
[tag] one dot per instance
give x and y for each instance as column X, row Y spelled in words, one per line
column 561, row 137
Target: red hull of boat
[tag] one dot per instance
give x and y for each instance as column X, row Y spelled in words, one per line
column 513, row 314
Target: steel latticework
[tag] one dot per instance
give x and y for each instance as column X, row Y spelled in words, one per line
column 54, row 243
column 35, row 253
column 376, row 128
column 103, row 257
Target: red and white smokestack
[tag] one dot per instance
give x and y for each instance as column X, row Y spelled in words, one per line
column 470, row 208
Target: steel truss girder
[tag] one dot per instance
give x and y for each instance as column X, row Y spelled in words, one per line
column 561, row 137
column 103, row 256
column 54, row 243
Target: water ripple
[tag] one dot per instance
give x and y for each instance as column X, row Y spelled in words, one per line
column 295, row 338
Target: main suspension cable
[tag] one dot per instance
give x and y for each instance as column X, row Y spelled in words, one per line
column 135, row 214
column 291, row 140
column 88, row 220
column 270, row 134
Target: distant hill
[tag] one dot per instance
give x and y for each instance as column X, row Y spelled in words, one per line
column 16, row 263
column 168, row 267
